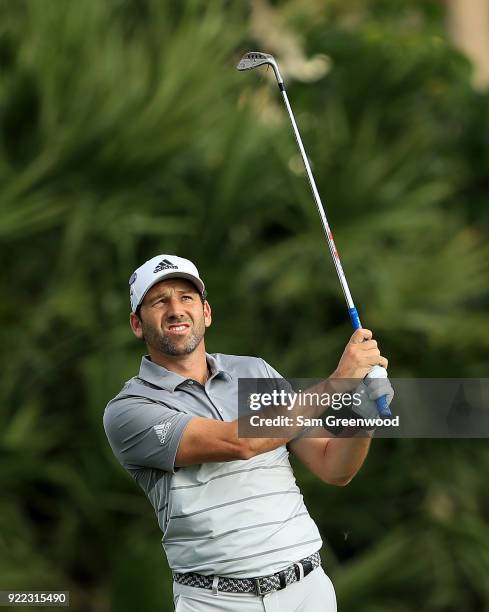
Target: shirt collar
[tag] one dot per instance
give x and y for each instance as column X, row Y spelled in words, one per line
column 216, row 366
column 161, row 377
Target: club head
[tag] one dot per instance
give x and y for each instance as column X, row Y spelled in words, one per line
column 253, row 59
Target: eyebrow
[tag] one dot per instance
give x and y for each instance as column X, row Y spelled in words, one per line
column 165, row 294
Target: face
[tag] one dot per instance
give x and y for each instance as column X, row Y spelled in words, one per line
column 172, row 318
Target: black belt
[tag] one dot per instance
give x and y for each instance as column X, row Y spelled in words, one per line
column 260, row 585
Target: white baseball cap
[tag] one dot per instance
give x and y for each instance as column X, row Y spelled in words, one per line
column 160, row 268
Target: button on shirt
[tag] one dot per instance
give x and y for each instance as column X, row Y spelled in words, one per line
column 238, row 518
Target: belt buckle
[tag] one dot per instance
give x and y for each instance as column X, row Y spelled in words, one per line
column 298, row 571
column 258, row 587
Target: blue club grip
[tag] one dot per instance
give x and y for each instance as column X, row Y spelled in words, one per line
column 383, row 407
column 355, row 319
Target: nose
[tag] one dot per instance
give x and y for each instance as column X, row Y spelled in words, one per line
column 174, row 308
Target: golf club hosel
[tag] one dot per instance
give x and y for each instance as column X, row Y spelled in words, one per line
column 278, row 76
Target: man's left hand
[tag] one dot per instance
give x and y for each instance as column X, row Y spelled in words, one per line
column 376, row 387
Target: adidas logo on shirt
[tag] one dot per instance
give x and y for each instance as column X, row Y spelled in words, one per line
column 161, row 431
column 165, row 264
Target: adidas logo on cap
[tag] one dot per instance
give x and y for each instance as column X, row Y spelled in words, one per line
column 165, row 264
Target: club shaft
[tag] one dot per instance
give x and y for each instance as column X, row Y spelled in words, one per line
column 322, row 215
column 382, row 404
column 249, row 62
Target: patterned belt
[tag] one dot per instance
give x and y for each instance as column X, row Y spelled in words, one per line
column 261, row 585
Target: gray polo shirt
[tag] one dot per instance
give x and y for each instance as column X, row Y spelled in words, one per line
column 236, row 518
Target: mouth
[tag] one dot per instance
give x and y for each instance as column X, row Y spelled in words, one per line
column 178, row 328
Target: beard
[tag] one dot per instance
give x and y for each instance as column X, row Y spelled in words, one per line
column 159, row 341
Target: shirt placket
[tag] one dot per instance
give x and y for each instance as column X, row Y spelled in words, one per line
column 197, row 388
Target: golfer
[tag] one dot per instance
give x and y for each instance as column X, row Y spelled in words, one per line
column 236, row 532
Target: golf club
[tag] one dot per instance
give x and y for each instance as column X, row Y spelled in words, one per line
column 252, row 60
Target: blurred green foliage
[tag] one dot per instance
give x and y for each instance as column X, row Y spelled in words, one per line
column 126, row 132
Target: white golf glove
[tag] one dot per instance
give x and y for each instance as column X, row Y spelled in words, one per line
column 375, row 388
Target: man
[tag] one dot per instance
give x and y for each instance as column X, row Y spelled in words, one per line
column 236, row 532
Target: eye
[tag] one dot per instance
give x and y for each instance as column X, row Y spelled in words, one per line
column 187, row 298
column 161, row 300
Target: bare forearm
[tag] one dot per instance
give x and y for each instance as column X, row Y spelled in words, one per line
column 343, row 457
column 282, row 420
column 246, row 447
column 257, row 446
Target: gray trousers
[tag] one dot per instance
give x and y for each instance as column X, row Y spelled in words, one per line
column 314, row 593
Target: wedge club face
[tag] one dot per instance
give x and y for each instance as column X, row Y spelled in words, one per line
column 254, row 59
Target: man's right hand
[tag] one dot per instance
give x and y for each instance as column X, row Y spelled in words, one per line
column 361, row 354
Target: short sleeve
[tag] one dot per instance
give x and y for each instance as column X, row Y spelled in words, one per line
column 144, row 433
column 282, row 383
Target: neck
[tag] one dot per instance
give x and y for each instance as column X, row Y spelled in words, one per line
column 192, row 365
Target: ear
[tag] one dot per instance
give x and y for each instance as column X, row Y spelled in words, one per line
column 207, row 314
column 136, row 325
